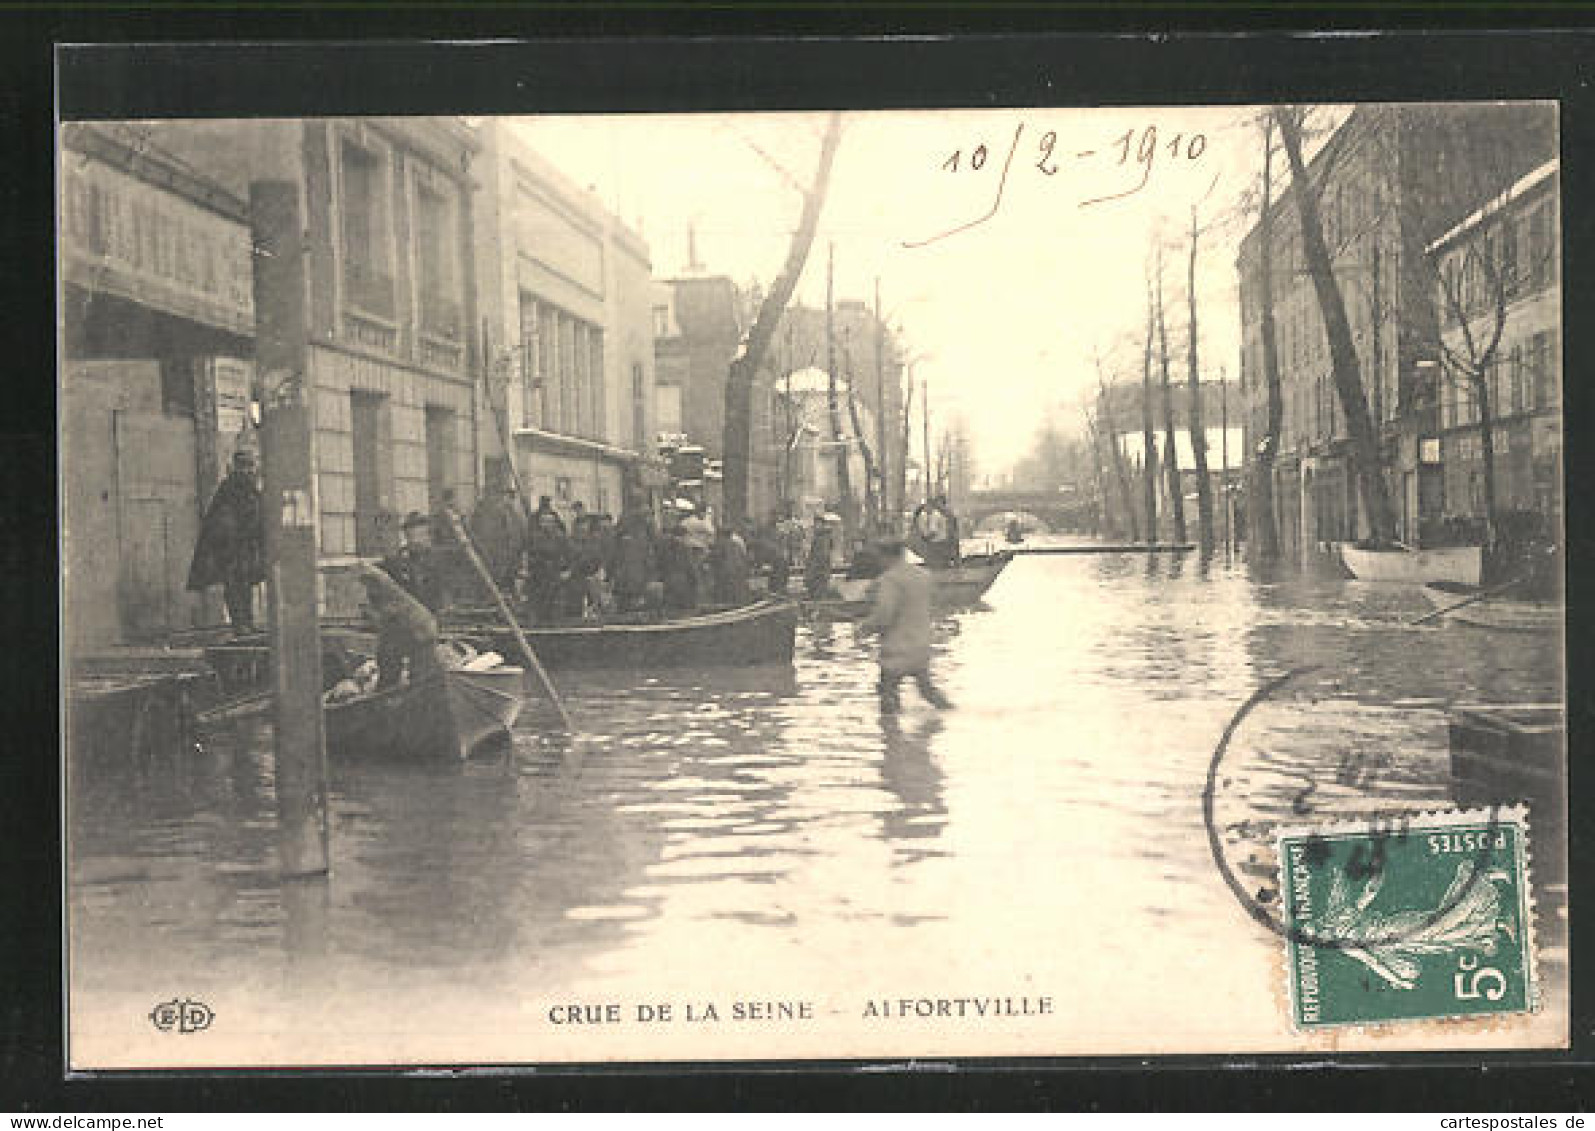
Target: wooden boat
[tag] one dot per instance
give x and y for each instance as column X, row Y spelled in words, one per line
column 1463, row 565
column 763, row 632
column 952, row 586
column 1502, row 613
column 444, row 718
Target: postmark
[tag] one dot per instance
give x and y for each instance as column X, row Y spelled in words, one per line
column 1430, row 918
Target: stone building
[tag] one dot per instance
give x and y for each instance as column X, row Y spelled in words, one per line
column 158, row 341
column 1389, row 180
column 1499, row 294
column 565, row 299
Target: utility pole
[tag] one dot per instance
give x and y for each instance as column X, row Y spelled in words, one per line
column 885, row 515
column 1223, row 412
column 925, row 410
column 277, row 233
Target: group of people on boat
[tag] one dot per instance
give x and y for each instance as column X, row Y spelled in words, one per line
column 935, row 532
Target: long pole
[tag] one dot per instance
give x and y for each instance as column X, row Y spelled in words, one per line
column 924, row 400
column 884, row 515
column 1223, row 409
column 504, row 611
column 282, row 363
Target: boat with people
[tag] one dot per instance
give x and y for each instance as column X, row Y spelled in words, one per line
column 761, row 632
column 963, row 583
column 1499, row 611
column 445, row 717
column 1460, row 565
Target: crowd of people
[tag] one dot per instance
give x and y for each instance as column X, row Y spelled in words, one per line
column 592, row 565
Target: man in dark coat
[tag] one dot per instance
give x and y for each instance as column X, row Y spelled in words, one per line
column 678, row 570
column 548, row 560
column 634, row 560
column 414, row 566
column 817, row 570
column 728, row 566
column 231, row 550
column 499, row 531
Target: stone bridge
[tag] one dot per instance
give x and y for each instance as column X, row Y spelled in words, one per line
column 1059, row 510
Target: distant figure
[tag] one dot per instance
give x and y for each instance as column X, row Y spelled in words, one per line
column 902, row 618
column 407, row 632
column 548, row 560
column 499, row 530
column 817, row 570
column 769, row 550
column 231, row 549
column 678, row 571
column 728, row 565
column 633, row 560
column 545, row 511
column 583, row 588
column 415, row 566
column 930, row 531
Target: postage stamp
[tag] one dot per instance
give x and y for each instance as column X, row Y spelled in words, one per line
column 1420, row 917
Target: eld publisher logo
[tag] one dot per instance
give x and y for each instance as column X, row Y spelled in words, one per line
column 185, row 1016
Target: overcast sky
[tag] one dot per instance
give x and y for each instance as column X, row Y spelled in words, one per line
column 1006, row 315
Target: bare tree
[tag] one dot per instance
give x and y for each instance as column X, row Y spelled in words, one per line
column 1148, row 435
column 872, row 507
column 1195, row 423
column 1121, row 473
column 1263, row 519
column 1344, row 366
column 833, row 403
column 1171, row 453
column 738, row 435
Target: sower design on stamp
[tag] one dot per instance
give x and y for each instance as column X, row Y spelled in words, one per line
column 1430, row 918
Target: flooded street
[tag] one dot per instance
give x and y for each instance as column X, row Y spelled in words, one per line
column 765, row 836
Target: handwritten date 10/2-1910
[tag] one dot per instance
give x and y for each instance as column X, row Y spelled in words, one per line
column 1137, row 151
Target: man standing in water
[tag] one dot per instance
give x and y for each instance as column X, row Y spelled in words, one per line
column 902, row 617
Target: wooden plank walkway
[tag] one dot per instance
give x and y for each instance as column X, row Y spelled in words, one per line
column 1109, row 548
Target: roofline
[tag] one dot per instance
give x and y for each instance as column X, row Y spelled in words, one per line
column 1523, row 186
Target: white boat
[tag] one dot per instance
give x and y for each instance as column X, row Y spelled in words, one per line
column 1502, row 614
column 961, row 584
column 1461, row 565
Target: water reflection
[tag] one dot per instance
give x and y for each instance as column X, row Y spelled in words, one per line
column 772, row 819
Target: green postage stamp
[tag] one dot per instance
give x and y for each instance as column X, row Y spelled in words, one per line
column 1420, row 916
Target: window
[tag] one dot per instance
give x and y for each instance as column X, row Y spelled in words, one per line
column 547, row 366
column 437, row 264
column 595, row 373
column 365, row 226
column 639, row 408
column 661, row 321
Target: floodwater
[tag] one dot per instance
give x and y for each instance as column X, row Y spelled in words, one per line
column 758, row 835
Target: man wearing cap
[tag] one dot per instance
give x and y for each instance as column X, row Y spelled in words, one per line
column 231, row 549
column 902, row 618
column 413, row 565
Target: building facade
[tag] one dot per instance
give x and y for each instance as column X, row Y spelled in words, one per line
column 1388, row 181
column 565, row 301
column 1499, row 294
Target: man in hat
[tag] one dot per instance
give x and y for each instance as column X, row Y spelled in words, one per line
column 901, row 617
column 231, row 549
column 414, row 565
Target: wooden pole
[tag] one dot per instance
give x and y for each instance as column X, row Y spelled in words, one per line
column 282, row 363
column 1223, row 411
column 884, row 515
column 504, row 611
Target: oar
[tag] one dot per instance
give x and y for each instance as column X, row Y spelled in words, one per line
column 464, row 538
column 1479, row 596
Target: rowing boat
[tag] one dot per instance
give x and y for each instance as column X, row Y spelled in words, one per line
column 951, row 586
column 1462, row 565
column 443, row 718
column 763, row 632
column 1500, row 613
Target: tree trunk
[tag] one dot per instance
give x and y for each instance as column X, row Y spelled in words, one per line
column 1148, row 434
column 737, row 439
column 1263, row 519
column 871, row 506
column 1120, row 472
column 902, row 462
column 1342, row 352
column 1204, row 486
column 1095, row 438
column 1171, row 454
